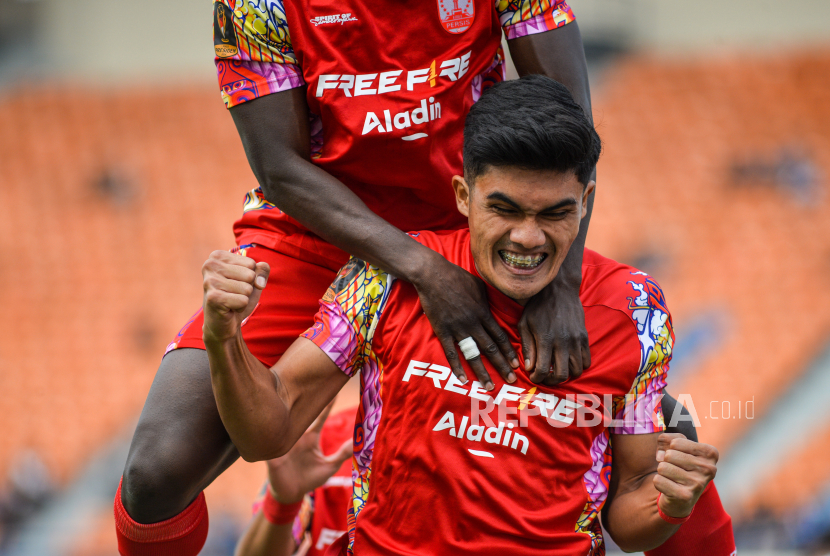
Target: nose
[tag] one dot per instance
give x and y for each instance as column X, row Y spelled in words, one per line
column 528, row 234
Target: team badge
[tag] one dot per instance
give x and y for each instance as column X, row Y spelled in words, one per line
column 456, row 15
column 224, row 34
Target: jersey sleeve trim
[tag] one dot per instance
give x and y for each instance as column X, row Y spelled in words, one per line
column 349, row 314
column 520, row 18
column 253, row 51
column 640, row 410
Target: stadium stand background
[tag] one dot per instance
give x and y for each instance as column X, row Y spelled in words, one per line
column 120, row 171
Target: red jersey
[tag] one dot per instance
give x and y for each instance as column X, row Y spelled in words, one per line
column 446, row 468
column 323, row 513
column 389, row 85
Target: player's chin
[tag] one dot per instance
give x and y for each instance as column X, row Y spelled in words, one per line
column 523, row 286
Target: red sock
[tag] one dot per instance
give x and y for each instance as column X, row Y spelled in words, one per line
column 181, row 535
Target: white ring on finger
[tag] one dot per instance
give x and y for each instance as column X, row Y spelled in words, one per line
column 469, row 348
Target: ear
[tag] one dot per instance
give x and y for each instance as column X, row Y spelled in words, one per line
column 462, row 195
column 585, row 194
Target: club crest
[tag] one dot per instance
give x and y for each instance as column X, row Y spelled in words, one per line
column 456, row 15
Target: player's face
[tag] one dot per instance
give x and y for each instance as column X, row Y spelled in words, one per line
column 522, row 223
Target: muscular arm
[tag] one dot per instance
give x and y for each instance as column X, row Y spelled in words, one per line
column 275, row 134
column 266, row 410
column 559, row 54
column 631, row 515
column 643, row 466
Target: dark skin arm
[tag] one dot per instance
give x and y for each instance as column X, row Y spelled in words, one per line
column 554, row 340
column 275, row 135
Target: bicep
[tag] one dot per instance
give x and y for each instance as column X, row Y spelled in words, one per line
column 307, row 380
column 635, row 458
column 557, row 53
column 274, row 130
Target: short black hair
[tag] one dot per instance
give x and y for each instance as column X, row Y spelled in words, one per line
column 531, row 123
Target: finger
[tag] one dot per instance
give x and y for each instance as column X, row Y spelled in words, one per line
column 452, row 357
column 675, row 473
column 490, row 349
column 237, row 272
column 586, row 352
column 222, row 257
column 230, row 286
column 305, row 546
column 664, row 443
column 685, row 461
column 561, row 361
column 697, row 449
column 502, row 340
column 575, row 362
column 670, row 488
column 342, row 454
column 261, row 280
column 222, row 301
column 544, row 353
column 263, row 271
column 483, row 376
column 528, row 345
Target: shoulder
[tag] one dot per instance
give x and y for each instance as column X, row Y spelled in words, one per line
column 638, row 296
column 452, row 245
column 619, row 286
column 358, row 282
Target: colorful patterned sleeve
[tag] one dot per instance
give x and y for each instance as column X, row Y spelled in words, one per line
column 640, row 411
column 520, row 18
column 253, row 51
column 349, row 313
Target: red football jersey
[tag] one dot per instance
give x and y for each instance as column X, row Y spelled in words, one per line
column 389, row 85
column 446, row 468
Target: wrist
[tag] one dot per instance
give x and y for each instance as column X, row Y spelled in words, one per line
column 422, row 266
column 567, row 279
column 671, row 514
column 279, row 513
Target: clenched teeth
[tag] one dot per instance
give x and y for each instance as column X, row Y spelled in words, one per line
column 522, row 261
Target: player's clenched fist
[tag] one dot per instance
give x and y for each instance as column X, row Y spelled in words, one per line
column 232, row 284
column 684, row 469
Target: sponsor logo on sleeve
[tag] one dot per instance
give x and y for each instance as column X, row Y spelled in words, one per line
column 224, row 34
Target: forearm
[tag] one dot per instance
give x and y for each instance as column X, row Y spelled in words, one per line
column 249, row 400
column 632, row 519
column 331, row 210
column 559, row 54
column 263, row 538
column 277, row 151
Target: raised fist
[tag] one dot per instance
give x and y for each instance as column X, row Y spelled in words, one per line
column 233, row 284
column 684, row 469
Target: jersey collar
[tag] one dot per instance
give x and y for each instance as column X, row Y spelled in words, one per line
column 507, row 308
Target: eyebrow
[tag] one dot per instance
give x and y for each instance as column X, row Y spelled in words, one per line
column 496, row 196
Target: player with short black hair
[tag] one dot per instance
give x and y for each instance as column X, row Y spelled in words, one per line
column 434, row 471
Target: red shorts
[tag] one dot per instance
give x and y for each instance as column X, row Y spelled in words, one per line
column 286, row 308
